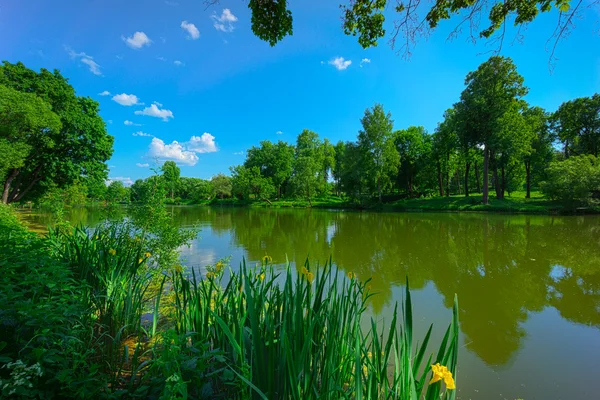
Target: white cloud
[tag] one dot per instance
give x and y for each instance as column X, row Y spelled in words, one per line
column 144, row 165
column 126, row 180
column 154, row 111
column 224, row 23
column 105, row 93
column 137, row 41
column 340, row 63
column 130, row 123
column 140, row 133
column 125, row 99
column 157, row 103
column 178, row 63
column 239, row 153
column 191, row 30
column 279, row 133
column 365, row 61
column 202, row 144
column 85, row 59
column 161, row 58
column 174, row 151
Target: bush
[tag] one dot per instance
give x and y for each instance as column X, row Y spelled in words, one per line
column 574, row 179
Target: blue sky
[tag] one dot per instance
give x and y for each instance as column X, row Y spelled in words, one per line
column 210, row 89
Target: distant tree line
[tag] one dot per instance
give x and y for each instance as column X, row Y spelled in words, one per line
column 54, row 147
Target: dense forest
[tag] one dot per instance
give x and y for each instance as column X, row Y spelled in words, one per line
column 490, row 140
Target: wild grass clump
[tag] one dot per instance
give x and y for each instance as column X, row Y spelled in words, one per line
column 286, row 335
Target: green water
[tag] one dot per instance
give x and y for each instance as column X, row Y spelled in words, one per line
column 528, row 286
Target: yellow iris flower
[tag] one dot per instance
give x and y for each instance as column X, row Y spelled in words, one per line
column 351, row 275
column 210, row 275
column 441, row 372
column 112, row 252
column 267, row 259
column 261, row 276
column 147, row 255
column 310, row 276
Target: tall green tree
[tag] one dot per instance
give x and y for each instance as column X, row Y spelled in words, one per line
column 27, row 127
column 541, row 150
column 221, row 186
column 577, row 125
column 275, row 161
column 490, row 92
column 445, row 142
column 77, row 147
column 171, row 173
column 249, row 181
column 116, row 192
column 308, row 164
column 379, row 158
column 414, row 147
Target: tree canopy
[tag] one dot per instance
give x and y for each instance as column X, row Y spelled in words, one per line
column 41, row 111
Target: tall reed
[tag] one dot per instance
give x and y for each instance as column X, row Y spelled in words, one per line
column 299, row 335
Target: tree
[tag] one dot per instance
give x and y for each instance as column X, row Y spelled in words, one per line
column 27, row 127
column 221, row 185
column 576, row 178
column 77, row 147
column 445, row 142
column 577, row 125
column 308, row 164
column 272, row 20
column 414, row 147
column 171, row 173
column 338, row 166
column 379, row 158
column 490, row 92
column 274, row 161
column 541, row 150
column 247, row 181
column 116, row 192
column 328, row 160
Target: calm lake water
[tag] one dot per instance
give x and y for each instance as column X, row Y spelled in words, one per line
column 528, row 286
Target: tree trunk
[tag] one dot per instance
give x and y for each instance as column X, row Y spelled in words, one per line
column 528, row 170
column 503, row 187
column 477, row 176
column 486, row 161
column 458, row 180
column 440, row 182
column 379, row 188
column 467, row 167
column 447, row 174
column 497, row 184
column 9, row 180
column 410, row 186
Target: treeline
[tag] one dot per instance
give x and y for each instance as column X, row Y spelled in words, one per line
column 491, row 139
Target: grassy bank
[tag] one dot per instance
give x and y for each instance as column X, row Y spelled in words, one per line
column 98, row 315
column 515, row 203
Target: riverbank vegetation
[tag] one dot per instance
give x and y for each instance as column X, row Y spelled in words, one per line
column 110, row 313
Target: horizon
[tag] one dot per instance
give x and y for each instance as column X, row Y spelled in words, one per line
column 167, row 75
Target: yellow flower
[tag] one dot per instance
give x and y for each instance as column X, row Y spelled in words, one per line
column 441, row 372
column 370, row 355
column 365, row 369
column 351, row 275
column 210, row 275
column 96, row 237
column 147, row 255
column 219, row 266
column 310, row 276
column 112, row 252
column 267, row 259
column 261, row 276
column 178, row 269
column 140, row 260
column 304, row 271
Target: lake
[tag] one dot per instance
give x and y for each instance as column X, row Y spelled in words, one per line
column 528, row 286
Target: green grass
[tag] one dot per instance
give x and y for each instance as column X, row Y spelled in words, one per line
column 515, row 203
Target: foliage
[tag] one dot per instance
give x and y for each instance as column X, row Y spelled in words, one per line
column 577, row 125
column 116, row 192
column 378, row 156
column 414, row 147
column 271, row 20
column 249, row 181
column 171, row 173
column 66, row 131
column 221, row 186
column 308, row 163
column 302, row 337
column 576, row 178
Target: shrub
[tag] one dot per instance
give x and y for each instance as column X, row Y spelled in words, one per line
column 574, row 179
